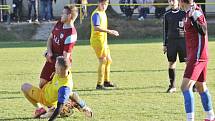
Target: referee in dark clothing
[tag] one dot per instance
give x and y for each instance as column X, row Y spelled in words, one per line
column 173, row 40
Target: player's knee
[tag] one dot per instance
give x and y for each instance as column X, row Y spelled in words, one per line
column 109, row 61
column 42, row 82
column 201, row 87
column 103, row 60
column 25, row 87
column 172, row 65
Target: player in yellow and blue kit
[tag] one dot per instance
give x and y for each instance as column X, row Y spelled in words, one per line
column 55, row 93
column 98, row 41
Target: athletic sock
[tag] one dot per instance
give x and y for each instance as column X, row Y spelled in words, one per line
column 189, row 104
column 172, row 77
column 107, row 71
column 207, row 104
column 101, row 73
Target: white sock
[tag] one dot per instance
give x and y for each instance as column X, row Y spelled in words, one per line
column 39, row 105
column 209, row 115
column 190, row 116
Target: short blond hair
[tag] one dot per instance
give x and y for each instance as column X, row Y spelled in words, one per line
column 71, row 9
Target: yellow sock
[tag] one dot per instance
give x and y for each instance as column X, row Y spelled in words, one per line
column 101, row 73
column 107, row 71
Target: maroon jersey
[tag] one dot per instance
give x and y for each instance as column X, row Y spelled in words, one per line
column 196, row 44
column 63, row 39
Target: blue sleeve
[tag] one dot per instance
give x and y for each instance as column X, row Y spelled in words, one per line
column 63, row 94
column 96, row 19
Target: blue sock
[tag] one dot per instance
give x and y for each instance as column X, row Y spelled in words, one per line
column 206, row 100
column 189, row 101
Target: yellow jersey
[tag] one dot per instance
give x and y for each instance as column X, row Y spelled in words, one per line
column 50, row 90
column 99, row 39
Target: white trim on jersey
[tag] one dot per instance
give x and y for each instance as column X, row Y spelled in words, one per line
column 199, row 46
column 196, row 14
column 70, row 39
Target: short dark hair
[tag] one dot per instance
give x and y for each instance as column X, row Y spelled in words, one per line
column 63, row 62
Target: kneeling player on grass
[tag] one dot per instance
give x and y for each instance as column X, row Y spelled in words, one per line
column 55, row 93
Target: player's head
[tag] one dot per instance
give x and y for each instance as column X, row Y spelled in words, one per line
column 62, row 65
column 103, row 4
column 69, row 13
column 184, row 3
column 174, row 3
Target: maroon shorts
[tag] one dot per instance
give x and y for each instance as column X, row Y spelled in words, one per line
column 47, row 71
column 196, row 70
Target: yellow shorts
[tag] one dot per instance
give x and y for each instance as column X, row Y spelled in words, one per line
column 101, row 51
column 37, row 94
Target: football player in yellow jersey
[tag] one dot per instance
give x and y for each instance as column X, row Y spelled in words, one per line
column 98, row 40
column 55, row 93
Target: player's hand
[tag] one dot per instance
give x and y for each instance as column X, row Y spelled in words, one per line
column 49, row 56
column 164, row 49
column 192, row 10
column 113, row 32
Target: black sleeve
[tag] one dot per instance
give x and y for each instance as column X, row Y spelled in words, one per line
column 165, row 31
column 197, row 26
column 56, row 112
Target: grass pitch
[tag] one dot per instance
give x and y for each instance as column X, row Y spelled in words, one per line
column 139, row 69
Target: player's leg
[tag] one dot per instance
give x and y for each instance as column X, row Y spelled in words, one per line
column 206, row 100
column 171, row 72
column 33, row 95
column 191, row 74
column 186, row 88
column 80, row 104
column 46, row 74
column 107, row 82
column 101, row 68
column 29, row 91
column 171, row 56
column 205, row 94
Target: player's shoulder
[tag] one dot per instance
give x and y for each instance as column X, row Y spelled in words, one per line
column 168, row 12
column 197, row 13
column 182, row 12
column 59, row 24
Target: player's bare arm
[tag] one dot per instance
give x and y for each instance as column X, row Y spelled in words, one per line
column 112, row 32
column 66, row 54
column 49, row 49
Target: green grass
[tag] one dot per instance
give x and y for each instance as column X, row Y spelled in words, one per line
column 139, row 70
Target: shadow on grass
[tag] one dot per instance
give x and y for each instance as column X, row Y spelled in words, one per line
column 26, row 44
column 14, row 119
column 7, row 98
column 117, row 89
column 125, row 71
column 10, row 92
